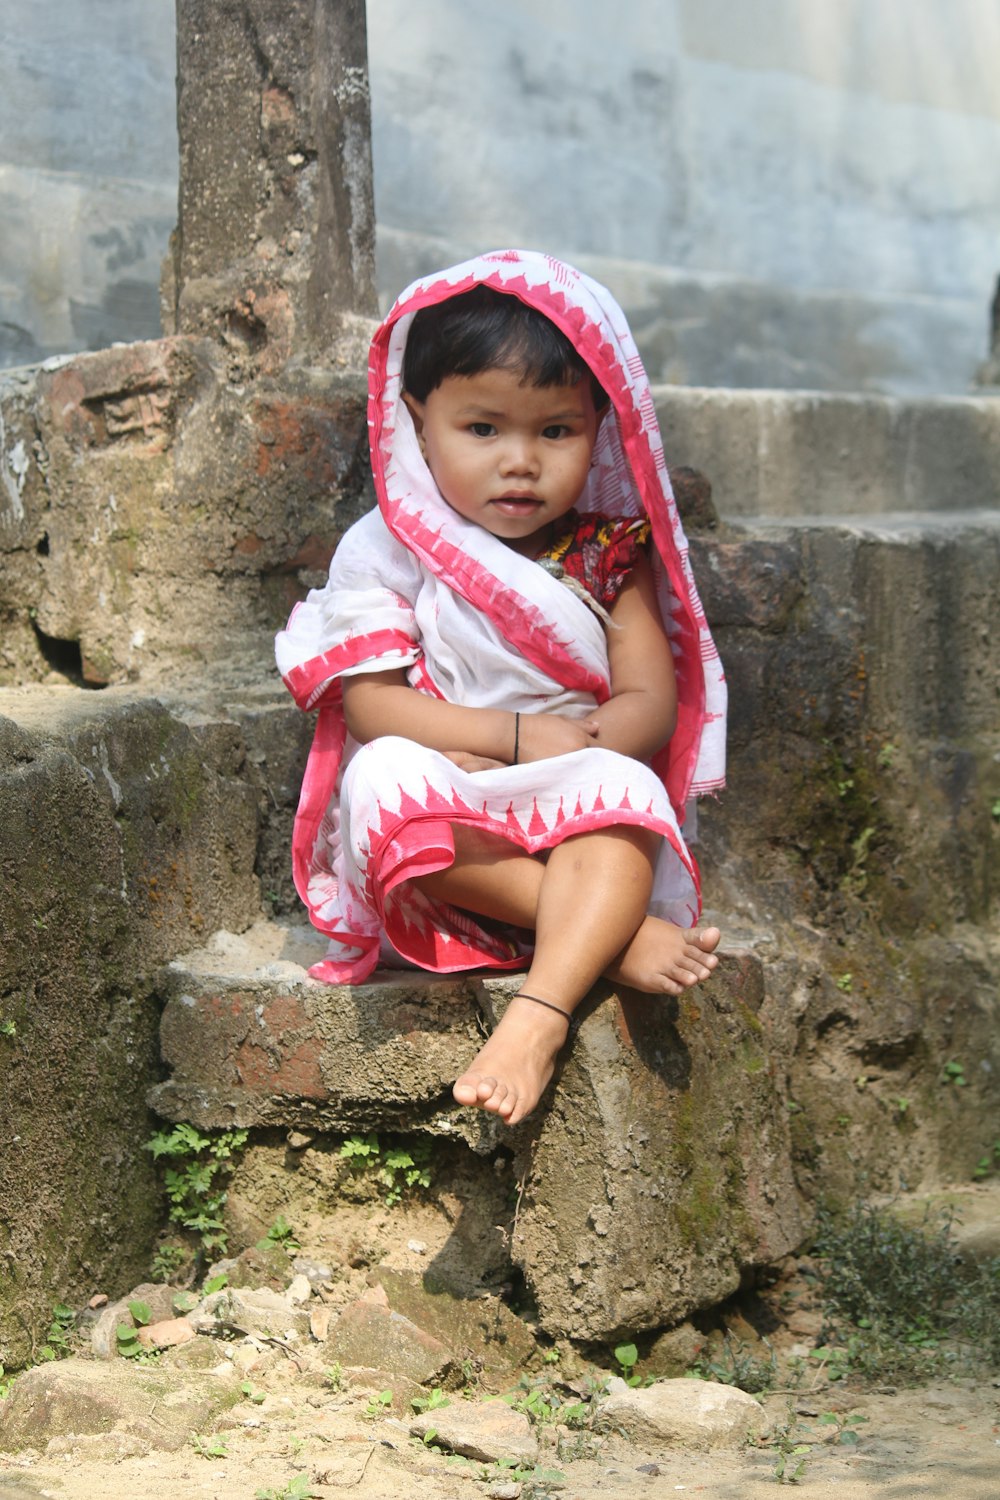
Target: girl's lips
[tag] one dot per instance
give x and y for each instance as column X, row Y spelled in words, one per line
column 517, row 505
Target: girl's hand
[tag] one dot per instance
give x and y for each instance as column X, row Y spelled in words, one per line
column 544, row 735
column 466, row 761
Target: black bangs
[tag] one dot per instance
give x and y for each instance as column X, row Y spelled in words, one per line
column 487, row 330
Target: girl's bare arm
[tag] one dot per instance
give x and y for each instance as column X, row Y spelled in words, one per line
column 380, row 703
column 641, row 714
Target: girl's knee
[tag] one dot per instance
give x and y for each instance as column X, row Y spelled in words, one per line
column 380, row 763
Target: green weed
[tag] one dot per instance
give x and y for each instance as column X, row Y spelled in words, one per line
column 738, row 1365
column 794, row 1442
column 280, row 1234
column 541, row 1401
column 898, row 1301
column 210, row 1447
column 433, row 1402
column 378, row 1404
column 194, row 1180
column 954, row 1072
column 988, row 1163
column 627, row 1356
column 399, row 1168
column 57, row 1341
column 167, row 1261
column 127, row 1335
column 297, row 1488
column 6, row 1381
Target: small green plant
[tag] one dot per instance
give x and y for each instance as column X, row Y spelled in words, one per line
column 886, row 757
column 847, row 1427
column 835, row 1360
column 792, row 1455
column 194, row 1180
column 378, row 1404
column 398, row 1168
column 532, row 1474
column 6, row 1381
column 845, row 983
column 210, row 1447
column 216, row 1283
column 954, row 1072
column 433, row 1402
column 895, row 1305
column 8, row 1028
column 57, row 1340
column 297, row 1488
column 795, row 1441
column 995, row 810
column 280, row 1234
column 167, row 1261
column 183, row 1303
column 127, row 1335
column 738, row 1365
column 333, row 1377
column 988, row 1163
column 359, row 1149
column 257, row 1397
column 627, row 1356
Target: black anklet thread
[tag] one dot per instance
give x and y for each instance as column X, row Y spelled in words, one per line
column 567, row 1015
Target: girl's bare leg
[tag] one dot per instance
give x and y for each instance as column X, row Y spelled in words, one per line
column 587, row 904
column 492, row 877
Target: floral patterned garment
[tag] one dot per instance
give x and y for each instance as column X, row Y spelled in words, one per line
column 597, row 551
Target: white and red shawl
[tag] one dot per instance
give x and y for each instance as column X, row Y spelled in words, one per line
column 415, row 585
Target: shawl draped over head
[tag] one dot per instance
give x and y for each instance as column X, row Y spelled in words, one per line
column 413, row 585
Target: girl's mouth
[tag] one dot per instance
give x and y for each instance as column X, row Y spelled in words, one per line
column 517, row 505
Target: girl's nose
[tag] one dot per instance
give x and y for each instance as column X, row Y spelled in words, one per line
column 519, row 456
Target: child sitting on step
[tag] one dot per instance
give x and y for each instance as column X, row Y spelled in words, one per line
column 516, row 686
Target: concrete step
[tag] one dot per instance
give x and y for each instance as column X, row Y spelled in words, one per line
column 789, row 453
column 656, row 1171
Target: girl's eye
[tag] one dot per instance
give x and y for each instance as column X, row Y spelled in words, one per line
column 482, row 429
column 556, row 431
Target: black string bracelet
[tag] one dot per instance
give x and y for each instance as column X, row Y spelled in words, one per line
column 517, row 737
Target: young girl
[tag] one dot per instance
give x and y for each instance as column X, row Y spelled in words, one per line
column 517, row 690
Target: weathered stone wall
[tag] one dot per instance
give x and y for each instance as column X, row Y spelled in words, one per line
column 124, row 835
column 156, row 515
column 163, row 502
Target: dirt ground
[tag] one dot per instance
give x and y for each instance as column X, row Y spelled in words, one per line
column 943, row 1441
column 940, row 1440
column 295, row 1434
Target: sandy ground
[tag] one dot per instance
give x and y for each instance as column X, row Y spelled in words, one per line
column 941, row 1441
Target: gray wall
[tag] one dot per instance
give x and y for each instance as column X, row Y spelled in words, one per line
column 788, row 192
column 88, row 171
column 797, row 193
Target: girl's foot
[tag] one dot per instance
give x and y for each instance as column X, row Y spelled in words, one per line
column 512, row 1069
column 666, row 960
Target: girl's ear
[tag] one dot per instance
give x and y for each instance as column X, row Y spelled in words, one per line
column 416, row 410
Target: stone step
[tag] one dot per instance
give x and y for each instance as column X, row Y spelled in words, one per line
column 655, row 1172
column 788, row 453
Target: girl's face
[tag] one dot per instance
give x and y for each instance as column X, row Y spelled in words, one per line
column 510, row 457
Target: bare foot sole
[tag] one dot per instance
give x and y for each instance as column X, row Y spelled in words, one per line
column 510, row 1072
column 666, row 960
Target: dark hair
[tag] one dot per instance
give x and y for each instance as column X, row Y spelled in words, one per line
column 483, row 329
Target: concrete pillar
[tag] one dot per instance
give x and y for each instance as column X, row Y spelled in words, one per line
column 274, row 248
